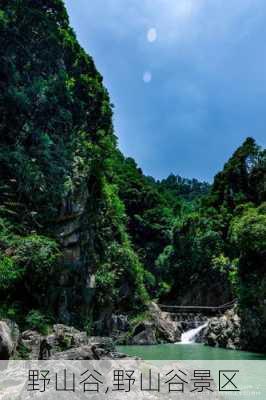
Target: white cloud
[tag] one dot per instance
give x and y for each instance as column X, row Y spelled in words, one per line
column 147, row 76
column 152, row 35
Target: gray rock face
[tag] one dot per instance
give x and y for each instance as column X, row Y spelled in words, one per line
column 119, row 323
column 6, row 342
column 9, row 338
column 224, row 331
column 253, row 329
column 214, row 289
column 167, row 329
column 76, row 234
column 114, row 325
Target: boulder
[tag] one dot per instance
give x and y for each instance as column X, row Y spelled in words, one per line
column 224, row 331
column 144, row 334
column 157, row 328
column 211, row 339
column 79, row 353
column 106, row 343
column 32, row 340
column 168, row 331
column 67, row 336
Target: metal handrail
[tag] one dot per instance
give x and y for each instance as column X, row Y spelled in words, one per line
column 213, row 308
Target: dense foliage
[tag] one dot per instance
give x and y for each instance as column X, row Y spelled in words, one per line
column 218, row 251
column 55, row 113
column 56, row 143
column 151, row 208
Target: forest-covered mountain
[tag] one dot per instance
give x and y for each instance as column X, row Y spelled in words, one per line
column 83, row 232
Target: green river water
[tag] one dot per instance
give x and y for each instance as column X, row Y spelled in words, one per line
column 251, row 367
column 187, row 352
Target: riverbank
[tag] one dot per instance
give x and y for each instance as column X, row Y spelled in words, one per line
column 61, row 343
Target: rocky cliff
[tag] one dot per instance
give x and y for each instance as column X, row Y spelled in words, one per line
column 62, row 222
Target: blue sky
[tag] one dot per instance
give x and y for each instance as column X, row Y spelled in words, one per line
column 187, row 77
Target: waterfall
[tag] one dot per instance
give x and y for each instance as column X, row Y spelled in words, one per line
column 190, row 336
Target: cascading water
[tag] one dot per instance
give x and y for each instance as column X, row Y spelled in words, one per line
column 191, row 335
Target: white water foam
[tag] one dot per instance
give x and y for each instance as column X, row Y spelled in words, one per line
column 190, row 336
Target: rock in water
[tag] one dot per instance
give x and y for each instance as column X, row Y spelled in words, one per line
column 156, row 328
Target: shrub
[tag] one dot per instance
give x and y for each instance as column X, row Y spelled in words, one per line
column 120, row 281
column 27, row 264
column 36, row 320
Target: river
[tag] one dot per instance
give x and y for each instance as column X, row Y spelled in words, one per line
column 188, row 349
column 188, row 352
column 251, row 375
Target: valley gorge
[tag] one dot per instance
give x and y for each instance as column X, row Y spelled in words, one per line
column 89, row 245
